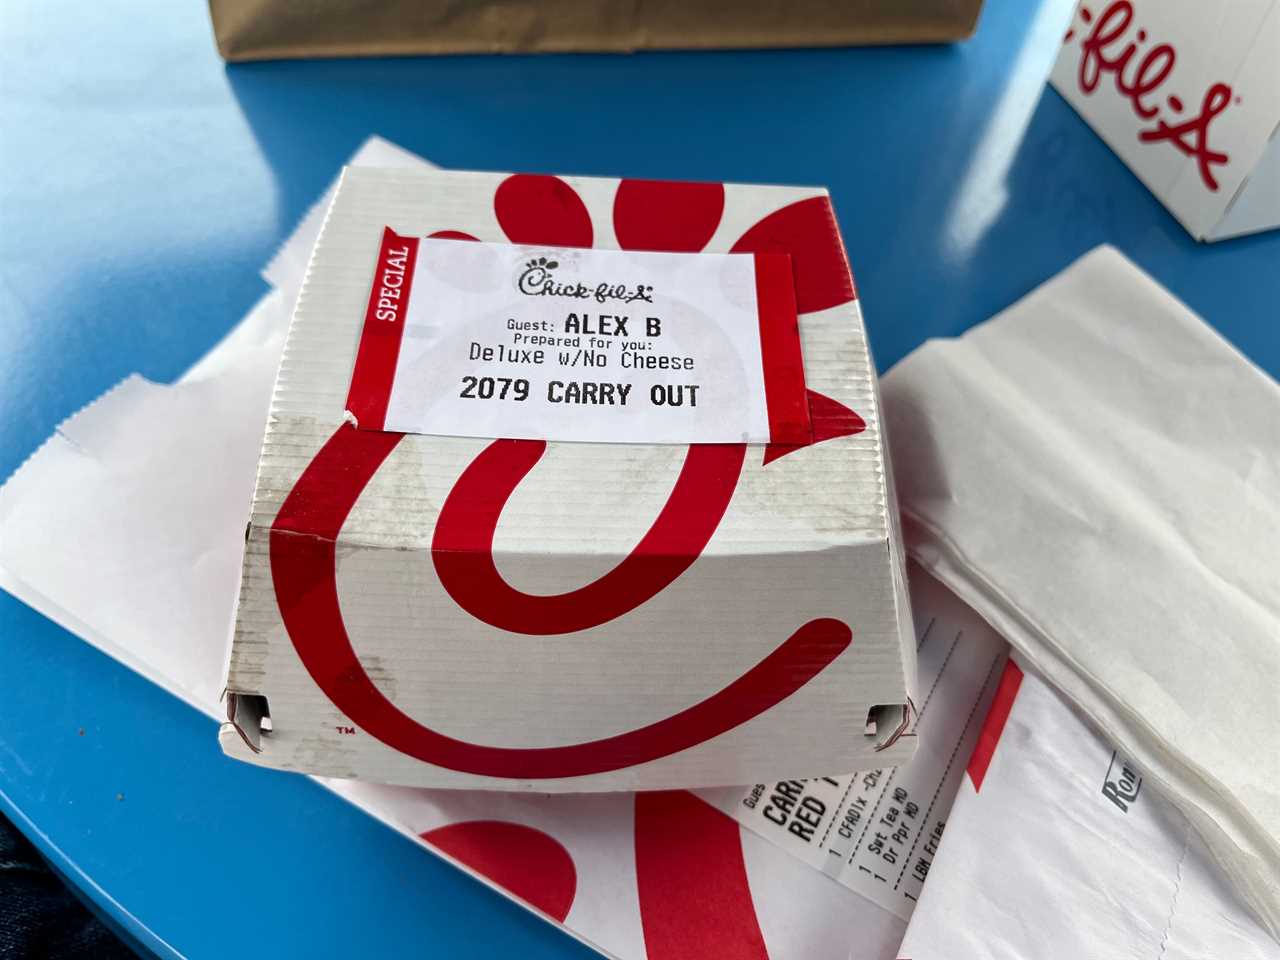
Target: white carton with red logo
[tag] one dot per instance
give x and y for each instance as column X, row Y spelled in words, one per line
column 1188, row 94
column 687, row 594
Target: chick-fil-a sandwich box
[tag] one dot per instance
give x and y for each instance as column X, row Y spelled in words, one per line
column 573, row 484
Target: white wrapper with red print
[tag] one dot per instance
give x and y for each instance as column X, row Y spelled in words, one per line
column 127, row 481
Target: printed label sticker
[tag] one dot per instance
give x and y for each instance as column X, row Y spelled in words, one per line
column 463, row 338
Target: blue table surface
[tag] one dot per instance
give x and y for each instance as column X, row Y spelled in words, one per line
column 144, row 184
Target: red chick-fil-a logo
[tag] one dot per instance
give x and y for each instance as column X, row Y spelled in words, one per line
column 1108, row 47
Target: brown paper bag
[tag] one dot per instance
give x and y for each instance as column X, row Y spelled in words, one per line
column 280, row 29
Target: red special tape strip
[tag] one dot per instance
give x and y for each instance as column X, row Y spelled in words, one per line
column 784, row 387
column 379, row 349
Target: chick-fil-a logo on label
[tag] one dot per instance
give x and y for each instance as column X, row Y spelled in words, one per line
column 537, row 280
column 1107, row 47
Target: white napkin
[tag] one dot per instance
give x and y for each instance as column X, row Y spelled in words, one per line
column 1098, row 474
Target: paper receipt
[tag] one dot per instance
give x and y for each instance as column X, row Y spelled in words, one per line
column 877, row 831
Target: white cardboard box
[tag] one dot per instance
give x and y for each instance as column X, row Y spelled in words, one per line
column 594, row 627
column 1188, row 94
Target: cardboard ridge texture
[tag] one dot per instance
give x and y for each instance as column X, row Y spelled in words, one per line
column 521, row 614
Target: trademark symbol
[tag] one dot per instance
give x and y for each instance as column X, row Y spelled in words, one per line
column 347, row 731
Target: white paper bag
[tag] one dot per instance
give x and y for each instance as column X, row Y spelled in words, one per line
column 1057, row 847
